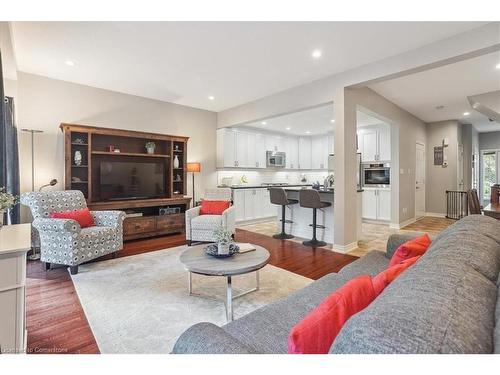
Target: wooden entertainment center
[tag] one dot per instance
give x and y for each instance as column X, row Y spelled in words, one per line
column 147, row 217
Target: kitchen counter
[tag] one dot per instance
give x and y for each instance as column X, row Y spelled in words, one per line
column 264, row 186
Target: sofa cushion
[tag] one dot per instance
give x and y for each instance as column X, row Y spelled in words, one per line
column 436, row 306
column 266, row 330
column 478, row 224
column 206, row 222
column 315, row 333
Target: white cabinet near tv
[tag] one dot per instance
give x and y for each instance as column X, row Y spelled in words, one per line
column 376, row 204
column 374, row 143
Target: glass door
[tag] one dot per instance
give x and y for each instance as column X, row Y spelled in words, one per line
column 490, row 173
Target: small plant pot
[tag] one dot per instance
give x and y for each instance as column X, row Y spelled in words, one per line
column 223, row 248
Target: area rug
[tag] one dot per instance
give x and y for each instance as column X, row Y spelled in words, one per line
column 140, row 304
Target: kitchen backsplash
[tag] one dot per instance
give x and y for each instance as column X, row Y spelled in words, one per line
column 258, row 177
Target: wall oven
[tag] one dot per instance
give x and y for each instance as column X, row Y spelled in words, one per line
column 276, row 159
column 376, row 175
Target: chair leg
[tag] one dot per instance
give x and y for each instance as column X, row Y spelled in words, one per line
column 73, row 270
column 114, row 255
column 283, row 235
column 314, row 241
column 189, row 242
column 46, row 266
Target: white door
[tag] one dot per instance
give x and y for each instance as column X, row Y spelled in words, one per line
column 369, row 145
column 249, row 204
column 239, row 204
column 460, row 168
column 241, row 149
column 304, row 153
column 260, row 150
column 384, row 144
column 292, row 153
column 383, row 205
column 420, row 180
column 369, row 203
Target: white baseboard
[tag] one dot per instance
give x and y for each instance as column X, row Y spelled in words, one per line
column 256, row 221
column 435, row 214
column 403, row 224
column 345, row 248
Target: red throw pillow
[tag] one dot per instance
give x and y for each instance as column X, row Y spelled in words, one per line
column 83, row 216
column 386, row 277
column 213, row 207
column 416, row 247
column 316, row 332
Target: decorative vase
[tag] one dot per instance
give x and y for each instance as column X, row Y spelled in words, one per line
column 223, row 248
column 78, row 158
column 150, row 148
column 176, row 161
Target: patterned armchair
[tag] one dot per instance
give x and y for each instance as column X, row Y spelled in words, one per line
column 201, row 227
column 62, row 241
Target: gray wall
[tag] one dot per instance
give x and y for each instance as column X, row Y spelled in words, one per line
column 489, row 141
column 43, row 103
column 440, row 179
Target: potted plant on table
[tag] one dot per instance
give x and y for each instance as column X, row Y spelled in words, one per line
column 223, row 238
column 7, row 201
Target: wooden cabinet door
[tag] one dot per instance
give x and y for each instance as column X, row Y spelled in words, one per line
column 304, row 153
column 369, row 203
column 239, row 204
column 384, row 144
column 384, row 205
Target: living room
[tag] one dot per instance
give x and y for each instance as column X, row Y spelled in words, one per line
column 166, row 191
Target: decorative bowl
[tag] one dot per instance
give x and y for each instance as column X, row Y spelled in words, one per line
column 212, row 250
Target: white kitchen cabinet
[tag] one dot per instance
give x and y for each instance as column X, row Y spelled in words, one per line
column 260, row 150
column 241, row 149
column 274, row 142
column 384, row 205
column 305, row 153
column 226, row 148
column 292, row 153
column 374, row 143
column 376, row 204
column 239, row 204
column 331, row 144
column 250, row 208
column 319, row 152
column 369, row 204
column 269, row 209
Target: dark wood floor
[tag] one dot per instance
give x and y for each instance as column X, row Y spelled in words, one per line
column 56, row 322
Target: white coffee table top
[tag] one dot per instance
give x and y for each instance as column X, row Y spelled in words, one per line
column 195, row 260
column 15, row 238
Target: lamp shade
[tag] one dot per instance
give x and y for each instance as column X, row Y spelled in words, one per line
column 193, row 167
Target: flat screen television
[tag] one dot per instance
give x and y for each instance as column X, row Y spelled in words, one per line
column 131, row 180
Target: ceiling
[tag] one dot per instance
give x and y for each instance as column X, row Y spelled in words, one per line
column 313, row 121
column 235, row 62
column 448, row 86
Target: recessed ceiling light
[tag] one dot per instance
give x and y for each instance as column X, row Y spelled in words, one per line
column 317, row 53
column 70, row 63
column 497, row 66
column 332, row 120
column 308, row 132
column 211, row 97
column 288, row 128
column 466, row 113
column 264, row 123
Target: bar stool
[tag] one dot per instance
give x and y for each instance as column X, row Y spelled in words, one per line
column 278, row 196
column 310, row 198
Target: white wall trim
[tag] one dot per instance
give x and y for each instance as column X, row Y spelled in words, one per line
column 345, row 248
column 403, row 224
column 435, row 214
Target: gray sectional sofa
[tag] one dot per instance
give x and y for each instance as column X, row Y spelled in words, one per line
column 448, row 302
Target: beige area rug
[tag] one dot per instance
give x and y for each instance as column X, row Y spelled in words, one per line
column 140, row 304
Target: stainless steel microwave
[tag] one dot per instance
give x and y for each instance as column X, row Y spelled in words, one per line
column 275, row 159
column 376, row 175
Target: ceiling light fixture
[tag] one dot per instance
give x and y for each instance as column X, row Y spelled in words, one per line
column 497, row 66
column 466, row 113
column 308, row 132
column 211, row 97
column 264, row 123
column 70, row 63
column 288, row 128
column 332, row 120
column 316, row 54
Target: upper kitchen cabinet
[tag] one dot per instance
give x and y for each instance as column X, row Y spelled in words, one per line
column 319, row 152
column 292, row 153
column 374, row 143
column 305, row 153
column 240, row 149
column 226, row 148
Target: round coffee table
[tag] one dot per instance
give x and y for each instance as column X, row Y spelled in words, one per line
column 196, row 261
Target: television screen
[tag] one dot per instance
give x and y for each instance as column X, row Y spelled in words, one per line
column 131, row 180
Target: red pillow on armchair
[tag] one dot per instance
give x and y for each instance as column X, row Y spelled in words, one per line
column 213, row 207
column 83, row 217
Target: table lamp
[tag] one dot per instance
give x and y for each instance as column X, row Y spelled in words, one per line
column 194, row 168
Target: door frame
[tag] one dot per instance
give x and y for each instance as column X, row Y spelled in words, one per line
column 415, row 179
column 481, row 170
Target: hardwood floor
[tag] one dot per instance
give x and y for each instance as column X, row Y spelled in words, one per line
column 56, row 322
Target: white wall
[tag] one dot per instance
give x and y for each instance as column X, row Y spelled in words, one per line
column 43, row 103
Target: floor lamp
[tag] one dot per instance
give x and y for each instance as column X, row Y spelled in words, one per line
column 194, row 168
column 34, row 255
